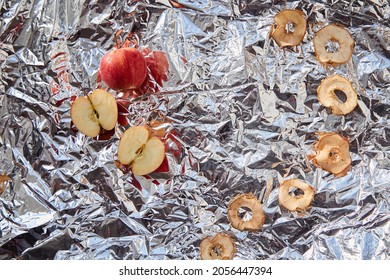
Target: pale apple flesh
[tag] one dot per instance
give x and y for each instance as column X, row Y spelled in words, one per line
column 151, row 158
column 84, row 117
column 144, row 153
column 90, row 113
column 133, row 139
column 105, row 106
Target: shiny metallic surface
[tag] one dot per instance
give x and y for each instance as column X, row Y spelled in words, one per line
column 242, row 114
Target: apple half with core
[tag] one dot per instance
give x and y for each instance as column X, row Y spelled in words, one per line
column 123, row 69
column 143, row 152
column 90, row 113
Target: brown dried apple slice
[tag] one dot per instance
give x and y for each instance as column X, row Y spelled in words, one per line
column 220, row 247
column 289, row 28
column 296, row 202
column 249, row 201
column 333, row 45
column 326, row 93
column 3, row 182
column 332, row 154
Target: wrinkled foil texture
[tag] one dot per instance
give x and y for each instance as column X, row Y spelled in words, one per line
column 242, row 115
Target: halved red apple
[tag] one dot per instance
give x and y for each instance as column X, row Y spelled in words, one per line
column 143, row 152
column 90, row 113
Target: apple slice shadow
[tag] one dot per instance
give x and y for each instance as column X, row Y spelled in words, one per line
column 126, row 169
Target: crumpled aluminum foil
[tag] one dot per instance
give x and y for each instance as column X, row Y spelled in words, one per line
column 243, row 114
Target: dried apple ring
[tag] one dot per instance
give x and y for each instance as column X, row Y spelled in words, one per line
column 333, row 45
column 332, row 154
column 221, row 247
column 251, row 202
column 289, row 28
column 327, row 96
column 3, row 182
column 295, row 202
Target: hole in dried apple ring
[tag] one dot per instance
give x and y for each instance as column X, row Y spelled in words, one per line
column 332, row 46
column 334, row 154
column 216, row 251
column 296, row 192
column 290, row 27
column 245, row 213
column 342, row 97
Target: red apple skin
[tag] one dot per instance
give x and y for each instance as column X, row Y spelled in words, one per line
column 123, row 69
column 157, row 64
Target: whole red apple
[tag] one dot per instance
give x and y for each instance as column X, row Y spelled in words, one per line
column 123, row 69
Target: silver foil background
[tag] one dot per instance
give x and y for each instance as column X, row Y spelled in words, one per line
column 244, row 112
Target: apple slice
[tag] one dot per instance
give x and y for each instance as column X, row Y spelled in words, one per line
column 105, row 105
column 84, row 117
column 152, row 157
column 131, row 143
column 143, row 153
column 89, row 113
